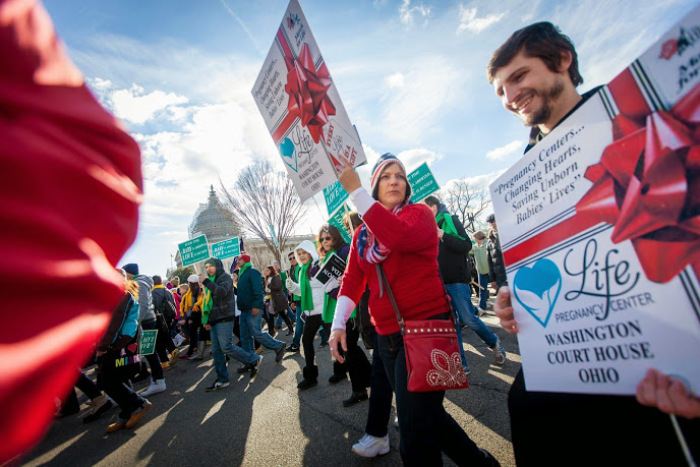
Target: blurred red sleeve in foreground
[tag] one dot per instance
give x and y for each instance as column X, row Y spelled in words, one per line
column 70, row 187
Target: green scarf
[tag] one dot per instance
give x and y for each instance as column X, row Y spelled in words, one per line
column 307, row 302
column 243, row 269
column 208, row 303
column 448, row 226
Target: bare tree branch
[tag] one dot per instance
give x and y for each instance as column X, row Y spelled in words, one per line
column 468, row 202
column 262, row 197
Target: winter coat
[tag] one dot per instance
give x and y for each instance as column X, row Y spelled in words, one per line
column 221, row 289
column 146, row 310
column 277, row 296
column 411, row 268
column 250, row 290
column 452, row 255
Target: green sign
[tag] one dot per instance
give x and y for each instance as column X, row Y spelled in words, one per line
column 422, row 183
column 337, row 220
column 335, row 196
column 226, row 249
column 148, row 342
column 193, row 251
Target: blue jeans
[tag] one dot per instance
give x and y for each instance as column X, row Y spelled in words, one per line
column 426, row 430
column 221, row 344
column 483, row 293
column 251, row 329
column 462, row 303
column 299, row 329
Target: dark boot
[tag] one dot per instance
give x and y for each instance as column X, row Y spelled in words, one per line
column 310, row 378
column 339, row 373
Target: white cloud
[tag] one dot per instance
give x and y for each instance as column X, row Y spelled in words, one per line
column 411, row 111
column 134, row 106
column 412, row 158
column 468, row 20
column 395, row 81
column 500, row 153
column 406, row 12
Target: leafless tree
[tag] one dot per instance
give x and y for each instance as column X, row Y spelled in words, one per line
column 264, row 197
column 468, row 202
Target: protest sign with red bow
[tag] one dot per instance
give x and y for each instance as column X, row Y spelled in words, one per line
column 302, row 108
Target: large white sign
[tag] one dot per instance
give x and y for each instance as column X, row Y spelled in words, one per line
column 600, row 230
column 302, row 108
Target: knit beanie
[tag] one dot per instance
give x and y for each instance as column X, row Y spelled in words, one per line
column 243, row 259
column 382, row 163
column 131, row 268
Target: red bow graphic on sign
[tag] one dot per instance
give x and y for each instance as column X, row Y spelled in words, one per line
column 308, row 92
column 647, row 183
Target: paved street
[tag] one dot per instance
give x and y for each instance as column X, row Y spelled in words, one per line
column 268, row 422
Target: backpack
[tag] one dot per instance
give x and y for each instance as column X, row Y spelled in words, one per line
column 130, row 324
column 169, row 311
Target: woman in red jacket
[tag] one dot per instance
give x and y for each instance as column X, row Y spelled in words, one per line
column 402, row 237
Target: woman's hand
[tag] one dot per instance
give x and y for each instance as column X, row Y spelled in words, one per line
column 338, row 336
column 348, row 178
column 504, row 310
column 668, row 394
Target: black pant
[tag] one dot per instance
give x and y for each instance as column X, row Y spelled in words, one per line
column 566, row 421
column 380, row 395
column 153, row 360
column 356, row 361
column 113, row 381
column 194, row 323
column 164, row 343
column 311, row 326
column 426, row 430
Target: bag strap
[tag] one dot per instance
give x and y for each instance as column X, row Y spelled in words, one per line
column 385, row 281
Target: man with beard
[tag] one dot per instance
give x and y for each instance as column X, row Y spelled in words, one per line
column 535, row 74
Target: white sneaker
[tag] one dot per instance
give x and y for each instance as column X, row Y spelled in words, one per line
column 371, row 446
column 155, row 387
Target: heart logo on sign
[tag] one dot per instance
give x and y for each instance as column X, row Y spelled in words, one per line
column 289, row 154
column 537, row 289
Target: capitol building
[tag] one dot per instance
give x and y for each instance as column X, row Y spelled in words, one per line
column 218, row 223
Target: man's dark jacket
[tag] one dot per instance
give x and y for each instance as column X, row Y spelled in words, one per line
column 221, row 288
column 250, row 290
column 452, row 256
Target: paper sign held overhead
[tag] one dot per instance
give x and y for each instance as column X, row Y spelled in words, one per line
column 302, row 108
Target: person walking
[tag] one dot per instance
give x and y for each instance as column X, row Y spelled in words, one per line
column 398, row 237
column 191, row 311
column 454, row 246
column 296, row 300
column 164, row 306
column 311, row 292
column 482, row 267
column 117, row 353
column 250, row 302
column 278, row 297
column 218, row 313
column 148, row 320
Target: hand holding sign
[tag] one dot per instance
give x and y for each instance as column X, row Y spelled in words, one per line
column 347, row 177
column 504, row 310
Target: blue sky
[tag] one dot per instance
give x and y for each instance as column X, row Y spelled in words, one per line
column 411, row 75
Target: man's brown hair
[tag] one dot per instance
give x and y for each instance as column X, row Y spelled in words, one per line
column 541, row 40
